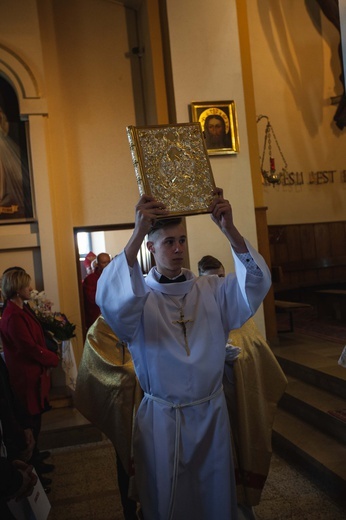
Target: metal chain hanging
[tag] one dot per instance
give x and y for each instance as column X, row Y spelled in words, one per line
column 271, row 175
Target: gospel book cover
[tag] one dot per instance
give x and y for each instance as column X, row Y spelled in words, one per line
column 172, row 165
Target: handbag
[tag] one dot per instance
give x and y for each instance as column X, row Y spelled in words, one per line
column 34, row 507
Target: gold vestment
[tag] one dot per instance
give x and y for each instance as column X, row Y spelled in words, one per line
column 259, row 385
column 107, row 390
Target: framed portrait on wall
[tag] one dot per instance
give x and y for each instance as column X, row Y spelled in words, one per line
column 16, row 190
column 218, row 120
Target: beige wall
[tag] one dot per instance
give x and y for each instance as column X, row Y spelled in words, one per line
column 296, row 70
column 81, row 161
column 90, row 104
column 22, row 65
column 206, row 67
column 203, row 71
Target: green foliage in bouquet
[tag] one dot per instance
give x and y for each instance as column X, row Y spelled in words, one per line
column 58, row 325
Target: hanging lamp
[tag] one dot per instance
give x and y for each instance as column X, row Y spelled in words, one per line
column 271, row 175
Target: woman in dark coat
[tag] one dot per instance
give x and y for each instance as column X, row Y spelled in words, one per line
column 27, row 358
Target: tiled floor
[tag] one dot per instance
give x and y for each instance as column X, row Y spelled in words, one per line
column 85, row 488
column 290, row 495
column 85, row 484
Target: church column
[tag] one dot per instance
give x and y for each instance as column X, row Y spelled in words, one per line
column 260, row 210
column 43, row 204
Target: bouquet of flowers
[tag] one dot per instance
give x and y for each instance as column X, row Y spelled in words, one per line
column 54, row 323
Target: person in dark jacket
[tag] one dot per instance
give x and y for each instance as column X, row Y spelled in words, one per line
column 27, row 358
column 91, row 309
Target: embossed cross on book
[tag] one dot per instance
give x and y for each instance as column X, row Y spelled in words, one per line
column 182, row 321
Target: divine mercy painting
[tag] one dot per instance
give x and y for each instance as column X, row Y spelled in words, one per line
column 15, row 181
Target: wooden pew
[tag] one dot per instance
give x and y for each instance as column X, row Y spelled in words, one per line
column 321, row 273
column 289, row 308
column 332, row 299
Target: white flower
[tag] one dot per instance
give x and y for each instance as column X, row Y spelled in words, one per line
column 39, row 302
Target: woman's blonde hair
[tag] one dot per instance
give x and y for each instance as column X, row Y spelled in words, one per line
column 14, row 281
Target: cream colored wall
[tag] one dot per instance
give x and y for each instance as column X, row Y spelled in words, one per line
column 19, row 29
column 22, row 65
column 202, row 71
column 82, row 167
column 90, row 104
column 115, row 240
column 206, row 67
column 296, row 70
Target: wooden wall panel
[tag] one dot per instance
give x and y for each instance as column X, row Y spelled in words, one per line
column 308, row 254
column 337, row 232
column 278, row 244
column 307, row 237
column 322, row 238
column 294, row 245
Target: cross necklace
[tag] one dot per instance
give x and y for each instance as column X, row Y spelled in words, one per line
column 182, row 321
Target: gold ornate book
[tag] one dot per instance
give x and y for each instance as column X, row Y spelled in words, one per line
column 172, row 165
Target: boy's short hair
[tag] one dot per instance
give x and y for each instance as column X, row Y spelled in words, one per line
column 164, row 223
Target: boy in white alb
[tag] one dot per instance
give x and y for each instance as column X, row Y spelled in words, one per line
column 176, row 326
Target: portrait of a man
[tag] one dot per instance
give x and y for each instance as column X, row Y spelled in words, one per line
column 219, row 126
column 215, row 132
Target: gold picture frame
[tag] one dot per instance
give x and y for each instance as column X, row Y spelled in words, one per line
column 221, row 133
column 172, row 165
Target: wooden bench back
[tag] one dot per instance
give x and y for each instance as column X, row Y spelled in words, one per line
column 307, row 255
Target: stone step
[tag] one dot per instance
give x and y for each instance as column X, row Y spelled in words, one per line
column 313, row 376
column 66, row 426
column 313, row 406
column 60, row 397
column 315, row 452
